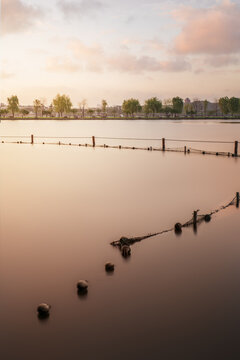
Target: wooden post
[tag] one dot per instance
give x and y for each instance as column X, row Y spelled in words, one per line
column 163, row 144
column 32, row 139
column 195, row 221
column 93, row 141
column 236, row 148
column 185, row 149
column 238, row 199
column 195, row 218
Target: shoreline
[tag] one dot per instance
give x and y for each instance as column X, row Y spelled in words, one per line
column 224, row 119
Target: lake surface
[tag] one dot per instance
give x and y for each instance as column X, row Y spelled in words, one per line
column 176, row 297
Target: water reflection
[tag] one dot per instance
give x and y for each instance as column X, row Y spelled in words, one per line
column 60, row 208
column 82, row 294
column 43, row 318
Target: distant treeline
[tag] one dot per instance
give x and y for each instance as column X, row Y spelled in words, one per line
column 61, row 107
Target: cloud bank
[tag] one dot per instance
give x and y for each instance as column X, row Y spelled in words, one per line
column 80, row 7
column 94, row 58
column 16, row 16
column 212, row 30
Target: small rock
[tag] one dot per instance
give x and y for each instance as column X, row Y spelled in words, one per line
column 109, row 267
column 82, row 285
column 207, row 218
column 178, row 228
column 43, row 309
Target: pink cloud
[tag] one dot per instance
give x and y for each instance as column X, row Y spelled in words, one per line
column 95, row 59
column 91, row 57
column 58, row 64
column 222, row 60
column 213, row 30
column 126, row 62
column 17, row 16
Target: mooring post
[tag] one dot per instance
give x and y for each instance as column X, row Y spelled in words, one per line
column 195, row 221
column 32, row 139
column 236, row 148
column 163, row 144
column 195, row 217
column 185, row 149
column 237, row 199
column 93, row 141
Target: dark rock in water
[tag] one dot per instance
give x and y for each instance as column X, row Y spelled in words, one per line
column 125, row 250
column 82, row 285
column 43, row 310
column 207, row 218
column 109, row 267
column 178, row 228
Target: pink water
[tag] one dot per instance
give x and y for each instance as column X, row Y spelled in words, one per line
column 60, row 207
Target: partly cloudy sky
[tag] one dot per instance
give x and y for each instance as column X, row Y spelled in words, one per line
column 111, row 49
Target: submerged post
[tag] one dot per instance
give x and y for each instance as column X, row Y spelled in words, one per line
column 237, row 199
column 236, row 148
column 163, row 144
column 32, row 139
column 93, row 141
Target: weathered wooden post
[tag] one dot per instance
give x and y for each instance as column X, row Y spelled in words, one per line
column 185, row 149
column 93, row 141
column 163, row 144
column 236, row 148
column 195, row 221
column 32, row 139
column 237, row 199
column 195, row 217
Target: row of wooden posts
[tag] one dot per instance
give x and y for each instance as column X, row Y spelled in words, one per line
column 235, row 153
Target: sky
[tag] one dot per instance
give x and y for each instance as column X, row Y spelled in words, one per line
column 114, row 50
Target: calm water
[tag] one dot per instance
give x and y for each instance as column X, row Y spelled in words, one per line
column 175, row 298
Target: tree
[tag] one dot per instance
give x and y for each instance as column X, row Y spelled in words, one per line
column 104, row 106
column 99, row 111
column 47, row 113
column 224, row 105
column 24, row 112
column 205, row 106
column 191, row 110
column 74, row 112
column 233, row 105
column 216, row 102
column 177, row 105
column 114, row 111
column 168, row 110
column 90, row 112
column 82, row 106
column 37, row 106
column 197, row 106
column 152, row 106
column 13, row 104
column 3, row 112
column 62, row 104
column 131, row 106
